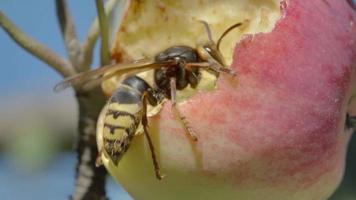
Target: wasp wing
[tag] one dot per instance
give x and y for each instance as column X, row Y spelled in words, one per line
column 92, row 78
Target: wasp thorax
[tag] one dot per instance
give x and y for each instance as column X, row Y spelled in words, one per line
column 182, row 55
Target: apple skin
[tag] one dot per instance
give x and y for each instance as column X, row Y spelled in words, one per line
column 279, row 134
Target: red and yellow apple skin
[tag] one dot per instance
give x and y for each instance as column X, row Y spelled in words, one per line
column 277, row 134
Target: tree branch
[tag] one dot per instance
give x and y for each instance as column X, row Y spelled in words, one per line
column 93, row 33
column 104, row 33
column 37, row 49
column 90, row 180
column 73, row 46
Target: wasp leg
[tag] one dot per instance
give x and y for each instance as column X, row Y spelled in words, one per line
column 212, row 66
column 145, row 125
column 182, row 119
column 99, row 161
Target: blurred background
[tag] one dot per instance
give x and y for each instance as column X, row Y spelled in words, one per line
column 37, row 126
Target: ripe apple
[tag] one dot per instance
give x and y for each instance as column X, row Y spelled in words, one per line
column 279, row 134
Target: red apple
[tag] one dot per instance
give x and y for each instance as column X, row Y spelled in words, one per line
column 279, row 134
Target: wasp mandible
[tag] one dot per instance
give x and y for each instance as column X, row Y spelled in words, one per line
column 175, row 68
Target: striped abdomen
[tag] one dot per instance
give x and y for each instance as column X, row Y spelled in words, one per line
column 123, row 116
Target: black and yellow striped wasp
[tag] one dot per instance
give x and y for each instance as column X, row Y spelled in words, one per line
column 174, row 69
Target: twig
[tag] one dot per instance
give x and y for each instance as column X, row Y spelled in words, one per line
column 93, row 33
column 73, row 46
column 37, row 49
column 104, row 33
column 90, row 180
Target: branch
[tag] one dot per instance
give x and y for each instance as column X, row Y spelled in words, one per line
column 73, row 46
column 93, row 33
column 37, row 49
column 104, row 33
column 90, row 180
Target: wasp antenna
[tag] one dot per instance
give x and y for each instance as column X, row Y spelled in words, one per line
column 207, row 29
column 226, row 32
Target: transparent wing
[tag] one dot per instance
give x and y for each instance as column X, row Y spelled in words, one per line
column 92, row 78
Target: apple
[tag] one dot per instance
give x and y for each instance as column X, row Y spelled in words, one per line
column 277, row 134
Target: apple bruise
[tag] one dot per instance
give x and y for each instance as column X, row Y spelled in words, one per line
column 280, row 132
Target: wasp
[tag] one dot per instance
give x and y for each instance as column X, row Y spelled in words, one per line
column 175, row 68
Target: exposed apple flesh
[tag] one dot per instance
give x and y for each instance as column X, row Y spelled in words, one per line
column 277, row 135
